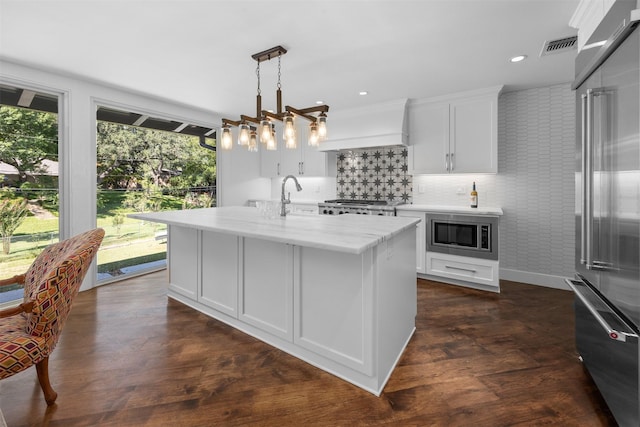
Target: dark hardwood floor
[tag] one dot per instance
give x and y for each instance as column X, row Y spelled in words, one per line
column 130, row 357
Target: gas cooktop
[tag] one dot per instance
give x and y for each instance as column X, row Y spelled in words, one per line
column 364, row 202
column 358, row 206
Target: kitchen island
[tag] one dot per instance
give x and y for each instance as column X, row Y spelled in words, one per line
column 338, row 292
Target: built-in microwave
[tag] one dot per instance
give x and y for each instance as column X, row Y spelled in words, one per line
column 465, row 235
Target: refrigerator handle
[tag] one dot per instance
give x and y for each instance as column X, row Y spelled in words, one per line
column 588, row 172
column 612, row 333
column 583, row 187
column 587, row 179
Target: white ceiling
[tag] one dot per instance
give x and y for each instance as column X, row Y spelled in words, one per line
column 199, row 52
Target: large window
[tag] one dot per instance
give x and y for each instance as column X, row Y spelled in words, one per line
column 147, row 164
column 28, row 180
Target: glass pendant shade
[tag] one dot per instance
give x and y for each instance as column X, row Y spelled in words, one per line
column 253, row 141
column 272, row 144
column 265, row 131
column 243, row 134
column 226, row 140
column 291, row 142
column 322, row 127
column 314, row 138
column 289, row 127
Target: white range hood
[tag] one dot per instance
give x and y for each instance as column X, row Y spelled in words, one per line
column 375, row 125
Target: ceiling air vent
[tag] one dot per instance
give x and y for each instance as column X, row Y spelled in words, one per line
column 559, row 46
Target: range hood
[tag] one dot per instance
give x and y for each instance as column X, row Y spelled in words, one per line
column 375, row 125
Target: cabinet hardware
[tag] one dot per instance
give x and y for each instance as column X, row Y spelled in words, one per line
column 470, row 270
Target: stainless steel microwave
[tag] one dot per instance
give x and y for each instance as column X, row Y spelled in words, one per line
column 465, row 235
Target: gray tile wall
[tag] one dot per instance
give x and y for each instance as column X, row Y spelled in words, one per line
column 536, row 161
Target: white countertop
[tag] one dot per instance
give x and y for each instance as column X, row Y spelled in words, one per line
column 482, row 210
column 293, row 201
column 343, row 233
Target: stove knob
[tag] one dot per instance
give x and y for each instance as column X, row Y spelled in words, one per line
column 330, row 212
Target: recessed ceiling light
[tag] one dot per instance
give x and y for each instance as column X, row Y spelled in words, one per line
column 319, row 102
column 518, row 58
column 363, row 92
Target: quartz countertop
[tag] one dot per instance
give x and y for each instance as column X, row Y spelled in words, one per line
column 481, row 210
column 343, row 233
column 293, row 202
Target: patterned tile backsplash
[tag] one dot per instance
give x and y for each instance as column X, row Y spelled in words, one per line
column 375, row 174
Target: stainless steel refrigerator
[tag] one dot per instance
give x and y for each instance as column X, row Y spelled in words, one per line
column 607, row 281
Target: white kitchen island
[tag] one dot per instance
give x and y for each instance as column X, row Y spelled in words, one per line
column 338, row 292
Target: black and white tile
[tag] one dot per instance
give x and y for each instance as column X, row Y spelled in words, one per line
column 375, row 174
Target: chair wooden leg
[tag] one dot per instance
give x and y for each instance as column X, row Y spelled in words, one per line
column 43, row 377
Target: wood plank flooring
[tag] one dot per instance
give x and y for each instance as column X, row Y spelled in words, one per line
column 130, row 357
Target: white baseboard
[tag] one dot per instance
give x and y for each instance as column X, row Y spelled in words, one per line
column 539, row 279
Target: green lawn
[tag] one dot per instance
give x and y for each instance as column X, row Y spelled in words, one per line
column 133, row 240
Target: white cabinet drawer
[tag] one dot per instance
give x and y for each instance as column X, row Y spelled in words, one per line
column 475, row 270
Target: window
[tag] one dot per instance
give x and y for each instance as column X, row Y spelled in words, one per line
column 147, row 164
column 29, row 189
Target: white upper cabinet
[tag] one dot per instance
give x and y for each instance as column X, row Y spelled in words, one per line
column 269, row 162
column 429, row 133
column 301, row 161
column 456, row 134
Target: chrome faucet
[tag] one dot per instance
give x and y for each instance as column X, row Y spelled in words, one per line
column 284, row 202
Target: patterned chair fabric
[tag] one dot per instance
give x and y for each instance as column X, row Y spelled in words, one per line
column 52, row 282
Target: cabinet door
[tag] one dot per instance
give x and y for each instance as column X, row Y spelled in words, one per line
column 269, row 163
column 429, row 134
column 266, row 291
column 183, row 260
column 421, row 239
column 219, row 289
column 473, row 135
column 318, row 163
column 472, row 270
column 290, row 159
column 334, row 306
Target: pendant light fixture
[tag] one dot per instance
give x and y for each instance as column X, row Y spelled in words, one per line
column 265, row 128
column 226, row 139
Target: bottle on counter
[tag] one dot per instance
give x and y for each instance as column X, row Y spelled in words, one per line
column 474, row 196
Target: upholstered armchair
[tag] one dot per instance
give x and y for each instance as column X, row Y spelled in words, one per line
column 30, row 331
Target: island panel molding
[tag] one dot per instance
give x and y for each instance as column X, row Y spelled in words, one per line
column 338, row 328
column 220, row 271
column 266, row 289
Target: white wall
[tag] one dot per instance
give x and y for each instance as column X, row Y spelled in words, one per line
column 77, row 149
column 534, row 185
